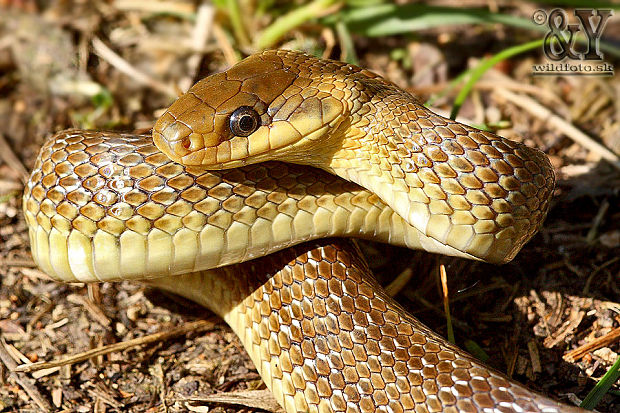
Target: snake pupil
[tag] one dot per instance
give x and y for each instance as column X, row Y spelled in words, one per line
column 244, row 121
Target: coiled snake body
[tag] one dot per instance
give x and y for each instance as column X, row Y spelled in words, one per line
column 321, row 331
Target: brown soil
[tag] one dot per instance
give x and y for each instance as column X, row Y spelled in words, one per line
column 561, row 292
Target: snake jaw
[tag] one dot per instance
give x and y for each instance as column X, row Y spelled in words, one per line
column 291, row 106
column 471, row 190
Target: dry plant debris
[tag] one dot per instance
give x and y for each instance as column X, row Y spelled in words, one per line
column 551, row 318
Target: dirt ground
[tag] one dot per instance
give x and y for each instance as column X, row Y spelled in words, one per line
column 118, row 64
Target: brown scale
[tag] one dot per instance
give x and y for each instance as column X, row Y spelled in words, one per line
column 326, row 337
column 124, row 185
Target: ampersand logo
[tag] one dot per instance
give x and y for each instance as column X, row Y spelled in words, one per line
column 561, row 39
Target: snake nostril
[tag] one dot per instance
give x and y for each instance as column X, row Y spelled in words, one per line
column 186, row 143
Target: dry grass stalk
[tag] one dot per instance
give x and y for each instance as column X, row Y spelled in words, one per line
column 195, row 326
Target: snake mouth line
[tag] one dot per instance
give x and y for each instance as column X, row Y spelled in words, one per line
column 474, row 191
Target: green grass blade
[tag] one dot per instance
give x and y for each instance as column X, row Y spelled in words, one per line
column 477, row 72
column 364, row 3
column 346, row 43
column 8, row 196
column 596, row 4
column 476, row 351
column 602, row 387
column 232, row 6
column 294, row 18
column 390, row 19
column 453, row 84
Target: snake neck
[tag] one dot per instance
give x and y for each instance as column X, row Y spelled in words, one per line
column 325, row 337
column 472, row 190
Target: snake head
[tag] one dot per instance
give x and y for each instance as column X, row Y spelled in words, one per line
column 469, row 191
column 251, row 113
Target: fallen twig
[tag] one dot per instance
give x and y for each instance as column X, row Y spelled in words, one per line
column 224, row 44
column 446, row 301
column 7, row 154
column 534, row 356
column 399, row 282
column 505, row 82
column 107, row 54
column 539, row 111
column 7, row 186
column 95, row 312
column 172, row 7
column 21, row 379
column 603, row 341
column 195, row 326
column 18, row 262
column 200, row 36
column 258, row 399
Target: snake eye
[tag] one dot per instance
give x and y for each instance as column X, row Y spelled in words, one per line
column 244, row 121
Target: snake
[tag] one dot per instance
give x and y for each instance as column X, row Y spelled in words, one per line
column 243, row 198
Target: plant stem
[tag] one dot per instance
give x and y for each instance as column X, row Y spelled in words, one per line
column 289, row 21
